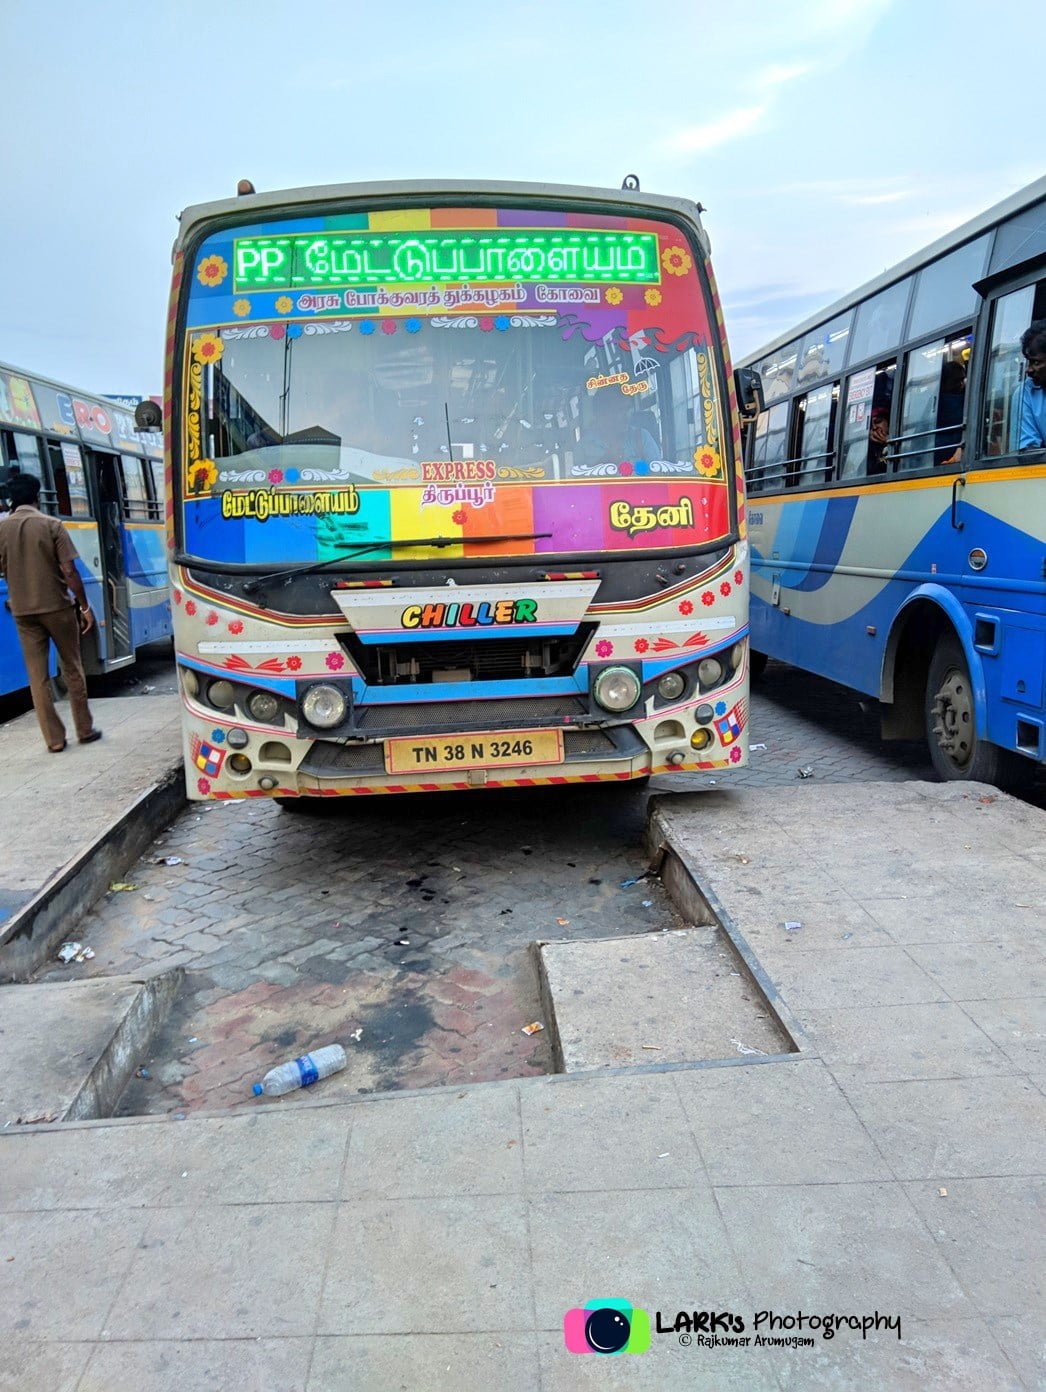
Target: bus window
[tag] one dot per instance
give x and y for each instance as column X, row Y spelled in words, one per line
column 866, row 425
column 136, row 496
column 815, row 434
column 70, row 485
column 1011, row 316
column 933, row 406
column 824, row 350
column 22, row 455
column 879, row 322
column 778, row 372
column 155, row 467
column 944, row 289
column 769, row 449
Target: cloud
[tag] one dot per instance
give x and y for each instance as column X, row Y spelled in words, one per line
column 694, row 140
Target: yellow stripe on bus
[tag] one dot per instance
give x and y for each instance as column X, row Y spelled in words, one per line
column 1007, row 475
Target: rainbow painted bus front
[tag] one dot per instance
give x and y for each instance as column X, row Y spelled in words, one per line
column 455, row 495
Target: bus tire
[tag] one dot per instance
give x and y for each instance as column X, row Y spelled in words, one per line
column 955, row 750
column 756, row 663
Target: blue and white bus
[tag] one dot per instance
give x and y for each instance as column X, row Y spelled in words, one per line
column 105, row 481
column 897, row 516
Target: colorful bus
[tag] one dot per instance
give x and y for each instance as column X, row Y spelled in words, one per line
column 456, row 501
column 104, row 479
column 898, row 510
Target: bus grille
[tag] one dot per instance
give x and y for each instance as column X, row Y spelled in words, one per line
column 520, row 712
column 477, row 660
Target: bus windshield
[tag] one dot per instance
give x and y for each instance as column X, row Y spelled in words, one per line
column 451, row 373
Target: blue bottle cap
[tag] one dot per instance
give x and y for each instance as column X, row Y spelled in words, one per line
column 257, row 1089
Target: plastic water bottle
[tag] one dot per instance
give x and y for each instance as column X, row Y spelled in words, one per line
column 302, row 1072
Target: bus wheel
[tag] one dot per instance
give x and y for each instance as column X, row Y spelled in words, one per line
column 756, row 663
column 955, row 749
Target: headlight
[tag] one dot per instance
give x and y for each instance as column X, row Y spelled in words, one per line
column 263, row 705
column 190, row 682
column 672, row 685
column 222, row 695
column 324, row 706
column 710, row 671
column 616, row 689
column 701, row 739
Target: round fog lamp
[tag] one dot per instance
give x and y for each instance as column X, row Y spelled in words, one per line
column 701, row 739
column 190, row 682
column 222, row 695
column 324, row 706
column 239, row 763
column 710, row 671
column 237, row 738
column 672, row 685
column 263, row 705
column 616, row 689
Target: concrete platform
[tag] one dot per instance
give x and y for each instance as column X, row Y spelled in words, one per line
column 67, row 1050
column 73, row 821
column 674, row 997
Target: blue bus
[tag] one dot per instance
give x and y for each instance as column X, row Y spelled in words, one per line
column 897, row 511
column 104, row 479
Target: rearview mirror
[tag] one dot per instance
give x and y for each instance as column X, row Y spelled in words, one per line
column 148, row 417
column 749, row 385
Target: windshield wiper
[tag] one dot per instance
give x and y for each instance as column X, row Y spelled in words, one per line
column 258, row 581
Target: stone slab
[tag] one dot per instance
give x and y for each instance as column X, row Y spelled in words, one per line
column 672, row 997
column 67, row 1049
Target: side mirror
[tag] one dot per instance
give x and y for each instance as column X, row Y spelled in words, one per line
column 749, row 387
column 148, row 417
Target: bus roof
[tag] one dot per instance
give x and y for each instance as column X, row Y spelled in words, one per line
column 417, row 190
column 983, row 222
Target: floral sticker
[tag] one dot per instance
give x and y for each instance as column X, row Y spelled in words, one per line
column 709, row 465
column 284, row 304
column 686, row 606
column 614, row 295
column 241, row 308
column 458, row 517
column 202, row 476
column 652, row 297
column 190, row 607
column 707, row 598
column 335, row 661
column 604, row 648
column 212, row 618
column 208, row 348
column 212, row 270
column 724, row 588
column 236, row 626
column 294, row 664
column 735, row 755
column 204, row 785
column 641, row 645
column 738, row 576
column 275, row 476
column 676, row 261
column 277, row 331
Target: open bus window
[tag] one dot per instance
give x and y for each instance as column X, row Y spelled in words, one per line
column 866, row 425
column 1006, row 368
column 155, row 467
column 769, row 448
column 814, row 435
column 934, row 404
column 67, row 470
column 22, row 455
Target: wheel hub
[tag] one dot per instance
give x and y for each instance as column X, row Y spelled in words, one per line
column 953, row 717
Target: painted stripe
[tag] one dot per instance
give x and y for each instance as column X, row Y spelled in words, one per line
column 1002, row 475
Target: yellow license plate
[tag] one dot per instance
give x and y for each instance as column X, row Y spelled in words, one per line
column 474, row 751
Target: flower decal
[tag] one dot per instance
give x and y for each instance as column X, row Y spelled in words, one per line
column 604, row 648
column 676, row 261
column 720, row 708
column 275, row 476
column 212, row 619
column 652, row 297
column 641, row 645
column 294, row 664
column 614, row 295
column 190, row 607
column 277, row 331
column 292, row 476
column 458, row 517
column 236, row 626
column 335, row 661
column 212, row 270
column 412, row 325
column 707, row 598
column 202, row 476
column 366, row 326
column 241, row 308
column 207, row 348
column 388, row 326
column 739, row 575
column 724, row 588
column 708, row 462
column 284, row 304
column 176, row 595
column 502, row 322
column 735, row 755
column 204, row 785
column 625, row 469
column 686, row 606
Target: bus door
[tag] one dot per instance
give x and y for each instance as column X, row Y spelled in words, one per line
column 114, row 571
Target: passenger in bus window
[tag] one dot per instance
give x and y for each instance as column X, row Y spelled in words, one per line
column 950, row 408
column 877, row 438
column 1029, row 400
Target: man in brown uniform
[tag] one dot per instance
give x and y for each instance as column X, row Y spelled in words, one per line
column 38, row 561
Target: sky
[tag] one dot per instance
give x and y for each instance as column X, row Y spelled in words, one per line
column 826, row 139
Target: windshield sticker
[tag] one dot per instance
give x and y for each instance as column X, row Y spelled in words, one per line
column 466, row 615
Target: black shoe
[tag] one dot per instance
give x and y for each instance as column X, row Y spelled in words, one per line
column 90, row 738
